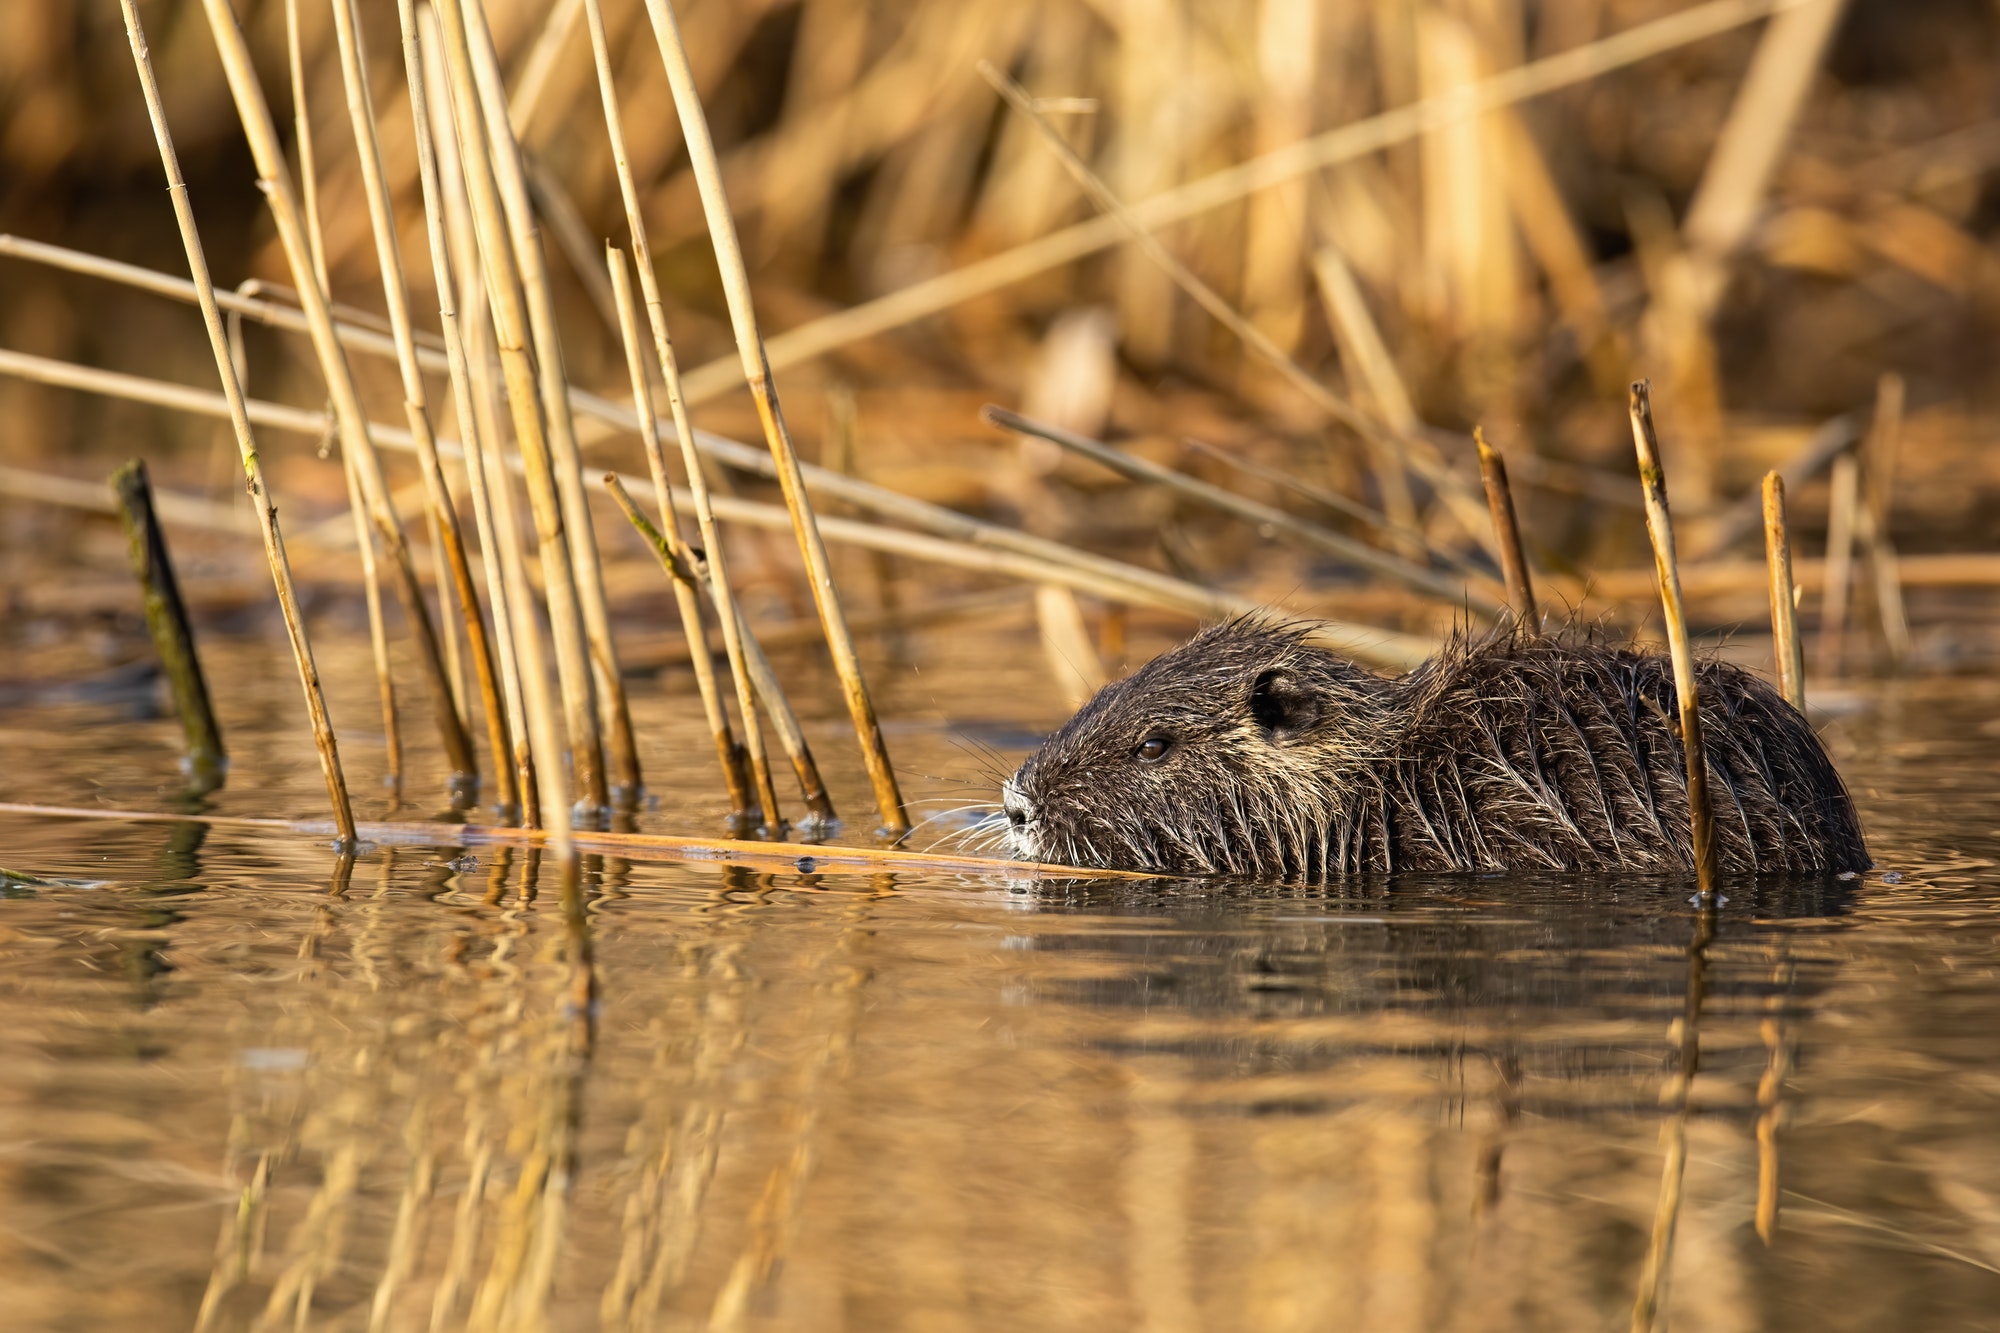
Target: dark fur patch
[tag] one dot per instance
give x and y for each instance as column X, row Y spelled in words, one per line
column 1506, row 752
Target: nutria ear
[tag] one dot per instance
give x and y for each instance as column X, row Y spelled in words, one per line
column 1285, row 706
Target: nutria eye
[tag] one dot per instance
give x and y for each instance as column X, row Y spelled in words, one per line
column 1153, row 749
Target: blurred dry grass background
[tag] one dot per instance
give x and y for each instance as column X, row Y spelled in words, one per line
column 1513, row 270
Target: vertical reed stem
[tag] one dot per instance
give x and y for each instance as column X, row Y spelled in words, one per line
column 729, row 619
column 685, row 596
column 524, row 401
column 253, row 471
column 1842, row 518
column 509, row 175
column 1884, row 437
column 446, row 533
column 1507, row 533
column 275, row 180
column 1660, row 525
column 173, row 634
column 1784, row 606
column 756, row 369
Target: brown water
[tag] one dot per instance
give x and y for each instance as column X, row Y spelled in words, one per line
column 243, row 1088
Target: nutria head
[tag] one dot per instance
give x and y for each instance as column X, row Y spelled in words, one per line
column 1228, row 754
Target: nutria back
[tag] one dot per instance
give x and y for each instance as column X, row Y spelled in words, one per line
column 1248, row 751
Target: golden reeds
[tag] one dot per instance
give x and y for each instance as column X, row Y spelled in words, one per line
column 1507, row 533
column 443, row 514
column 1660, row 525
column 1785, row 647
column 253, row 472
column 255, row 116
column 756, row 369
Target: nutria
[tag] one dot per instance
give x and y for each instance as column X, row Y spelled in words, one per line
column 1249, row 751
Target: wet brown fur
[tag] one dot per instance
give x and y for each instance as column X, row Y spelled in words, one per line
column 1506, row 752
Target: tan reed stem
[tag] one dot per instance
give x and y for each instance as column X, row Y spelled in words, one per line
column 1784, row 601
column 506, row 306
column 1507, row 532
column 1660, row 525
column 684, row 569
column 750, row 346
column 1843, row 508
column 255, row 115
column 504, row 153
column 167, row 621
column 395, row 291
column 371, row 575
column 685, row 595
column 513, row 760
column 253, row 470
column 1263, row 516
column 1884, row 439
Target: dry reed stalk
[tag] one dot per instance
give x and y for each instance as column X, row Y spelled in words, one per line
column 206, row 760
column 255, row 115
column 720, row 592
column 504, row 154
column 1072, row 657
column 1784, row 598
column 1660, row 525
column 1362, row 348
column 1343, row 144
column 1843, row 506
column 253, row 470
column 357, row 511
column 683, row 568
column 540, row 64
column 505, row 304
column 756, row 369
column 1835, row 436
column 513, row 762
column 1507, row 533
column 672, row 550
column 1262, row 516
column 773, row 856
column 446, row 532
column 1884, row 439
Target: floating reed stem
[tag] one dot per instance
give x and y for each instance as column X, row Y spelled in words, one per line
column 506, row 304
column 504, row 153
column 446, row 532
column 1660, row 526
column 704, row 510
column 173, row 634
column 1784, row 598
column 275, row 180
column 670, row 547
column 1507, row 533
column 750, row 346
column 513, row 755
column 253, row 471
column 1263, row 516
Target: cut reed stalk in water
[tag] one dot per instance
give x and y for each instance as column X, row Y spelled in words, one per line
column 750, row 346
column 1263, row 516
column 510, row 329
column 275, row 179
column 719, row 589
column 504, row 153
column 686, row 597
column 1660, row 526
column 512, row 754
column 173, row 634
column 447, row 535
column 683, row 568
column 1784, row 600
column 1507, row 532
column 253, row 471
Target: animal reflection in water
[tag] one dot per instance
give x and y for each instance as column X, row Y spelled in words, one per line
column 1249, row 751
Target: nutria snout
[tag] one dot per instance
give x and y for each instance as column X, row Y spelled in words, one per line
column 1249, row 751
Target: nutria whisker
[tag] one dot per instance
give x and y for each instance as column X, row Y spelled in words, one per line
column 1247, row 751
